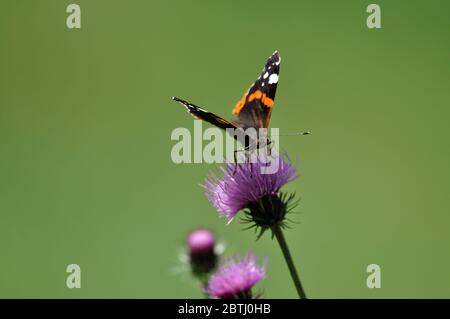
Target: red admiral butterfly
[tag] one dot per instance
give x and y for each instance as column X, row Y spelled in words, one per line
column 254, row 108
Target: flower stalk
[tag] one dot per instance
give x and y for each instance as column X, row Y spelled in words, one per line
column 278, row 233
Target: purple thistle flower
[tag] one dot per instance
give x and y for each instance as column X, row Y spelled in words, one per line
column 201, row 251
column 235, row 278
column 248, row 185
column 201, row 241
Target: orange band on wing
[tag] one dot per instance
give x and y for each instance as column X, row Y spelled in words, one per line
column 257, row 95
column 240, row 104
column 267, row 101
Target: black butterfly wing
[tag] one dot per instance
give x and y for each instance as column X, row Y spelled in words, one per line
column 201, row 114
column 255, row 107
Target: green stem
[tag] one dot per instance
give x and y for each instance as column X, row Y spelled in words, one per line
column 277, row 231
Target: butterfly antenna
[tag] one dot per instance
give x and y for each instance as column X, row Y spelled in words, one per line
column 296, row 133
column 302, row 133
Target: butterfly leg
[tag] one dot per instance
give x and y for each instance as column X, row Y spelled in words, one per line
column 250, row 163
column 246, row 154
column 235, row 161
column 236, row 164
column 269, row 147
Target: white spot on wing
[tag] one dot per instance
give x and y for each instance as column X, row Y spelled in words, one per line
column 273, row 78
column 266, row 75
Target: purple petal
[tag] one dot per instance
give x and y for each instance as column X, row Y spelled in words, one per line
column 235, row 278
column 246, row 184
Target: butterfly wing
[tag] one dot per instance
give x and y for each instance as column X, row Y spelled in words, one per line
column 255, row 107
column 201, row 114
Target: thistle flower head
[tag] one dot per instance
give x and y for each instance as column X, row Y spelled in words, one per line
column 200, row 241
column 252, row 187
column 235, row 278
column 201, row 251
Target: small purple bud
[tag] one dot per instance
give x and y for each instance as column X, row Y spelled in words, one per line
column 201, row 251
column 201, row 241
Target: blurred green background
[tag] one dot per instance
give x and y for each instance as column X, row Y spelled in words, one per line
column 86, row 116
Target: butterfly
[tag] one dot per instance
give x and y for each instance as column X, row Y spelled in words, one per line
column 253, row 110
